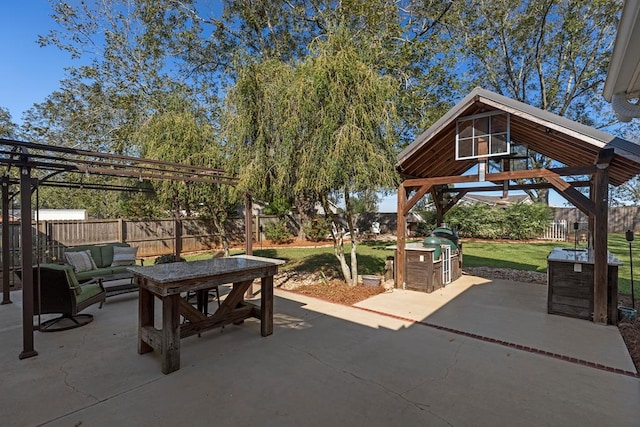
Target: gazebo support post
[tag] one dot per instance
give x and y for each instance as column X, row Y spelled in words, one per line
column 6, row 253
column 401, row 232
column 600, row 235
column 27, row 261
column 437, row 202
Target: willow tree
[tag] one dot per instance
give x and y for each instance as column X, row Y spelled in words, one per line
column 7, row 127
column 345, row 120
column 324, row 126
column 179, row 134
column 255, row 113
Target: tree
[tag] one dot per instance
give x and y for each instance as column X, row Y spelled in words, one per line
column 406, row 42
column 550, row 54
column 7, row 127
column 181, row 134
column 132, row 66
column 324, row 127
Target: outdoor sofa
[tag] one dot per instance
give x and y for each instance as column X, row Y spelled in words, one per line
column 107, row 263
column 103, row 259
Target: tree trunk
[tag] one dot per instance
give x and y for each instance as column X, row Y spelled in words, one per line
column 354, row 237
column 338, row 251
column 337, row 233
column 305, row 213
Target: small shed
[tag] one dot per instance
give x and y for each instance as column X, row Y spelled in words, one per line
column 486, row 129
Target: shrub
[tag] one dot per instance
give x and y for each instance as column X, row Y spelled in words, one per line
column 526, row 221
column 277, row 232
column 166, row 259
column 317, row 229
column 477, row 220
column 518, row 221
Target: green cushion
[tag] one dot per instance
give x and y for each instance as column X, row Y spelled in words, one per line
column 89, row 291
column 86, row 275
column 106, row 252
column 72, row 280
column 102, row 254
column 100, row 272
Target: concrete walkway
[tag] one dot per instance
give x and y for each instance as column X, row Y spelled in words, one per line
column 510, row 312
column 325, row 364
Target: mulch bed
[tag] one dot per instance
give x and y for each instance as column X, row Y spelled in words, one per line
column 630, row 331
column 338, row 291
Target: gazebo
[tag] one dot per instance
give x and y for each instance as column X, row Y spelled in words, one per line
column 52, row 163
column 485, row 139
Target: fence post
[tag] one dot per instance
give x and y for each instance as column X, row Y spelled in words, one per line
column 122, row 231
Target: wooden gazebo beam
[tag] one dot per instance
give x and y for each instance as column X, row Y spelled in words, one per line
column 554, row 179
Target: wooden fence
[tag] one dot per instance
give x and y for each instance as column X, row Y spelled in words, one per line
column 152, row 237
column 621, row 218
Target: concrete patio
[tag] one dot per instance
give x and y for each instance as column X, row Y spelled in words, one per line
column 381, row 363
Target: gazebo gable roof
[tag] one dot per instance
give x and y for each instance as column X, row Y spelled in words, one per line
column 568, row 142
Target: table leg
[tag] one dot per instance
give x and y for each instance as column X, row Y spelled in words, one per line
column 145, row 317
column 170, row 333
column 202, row 296
column 249, row 293
column 266, row 306
column 240, row 300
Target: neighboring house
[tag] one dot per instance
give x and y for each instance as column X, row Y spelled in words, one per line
column 470, row 199
column 413, row 219
column 320, row 210
column 60, row 214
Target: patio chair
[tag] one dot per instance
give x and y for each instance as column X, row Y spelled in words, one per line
column 60, row 292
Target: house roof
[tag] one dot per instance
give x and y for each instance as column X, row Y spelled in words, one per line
column 495, row 200
column 432, row 154
column 623, row 76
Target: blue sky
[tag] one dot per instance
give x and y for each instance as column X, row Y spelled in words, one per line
column 29, row 72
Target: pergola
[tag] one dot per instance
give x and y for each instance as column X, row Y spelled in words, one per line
column 586, row 157
column 53, row 163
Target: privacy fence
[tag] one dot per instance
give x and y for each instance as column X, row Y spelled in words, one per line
column 621, row 218
column 152, row 237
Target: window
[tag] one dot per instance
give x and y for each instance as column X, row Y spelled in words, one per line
column 482, row 135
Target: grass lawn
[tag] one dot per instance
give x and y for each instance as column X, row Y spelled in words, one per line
column 533, row 256
column 520, row 256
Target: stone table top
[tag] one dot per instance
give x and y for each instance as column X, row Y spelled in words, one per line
column 580, row 256
column 170, row 272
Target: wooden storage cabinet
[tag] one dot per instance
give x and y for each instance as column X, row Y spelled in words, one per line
column 570, row 285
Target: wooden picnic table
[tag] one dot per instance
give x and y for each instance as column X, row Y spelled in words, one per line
column 168, row 281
